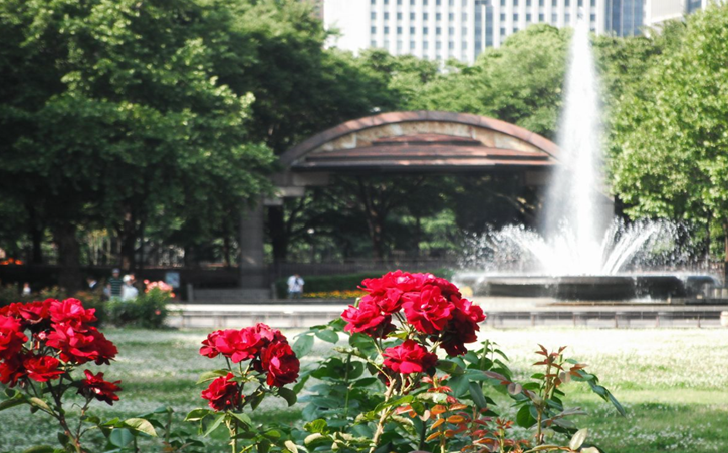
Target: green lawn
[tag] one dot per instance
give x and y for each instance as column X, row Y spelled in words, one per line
column 673, row 383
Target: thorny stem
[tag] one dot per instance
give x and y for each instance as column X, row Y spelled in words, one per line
column 383, row 418
column 58, row 415
column 234, row 432
column 348, row 388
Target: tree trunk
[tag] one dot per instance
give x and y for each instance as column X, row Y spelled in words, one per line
column 725, row 252
column 69, row 278
column 278, row 234
column 127, row 238
column 36, row 236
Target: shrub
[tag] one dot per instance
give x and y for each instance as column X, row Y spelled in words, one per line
column 148, row 311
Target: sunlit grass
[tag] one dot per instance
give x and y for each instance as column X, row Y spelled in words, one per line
column 673, row 383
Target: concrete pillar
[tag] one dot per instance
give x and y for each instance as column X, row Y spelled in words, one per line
column 252, row 237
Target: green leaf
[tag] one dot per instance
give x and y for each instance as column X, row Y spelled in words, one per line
column 524, row 418
column 616, row 404
column 317, row 426
column 243, row 418
column 452, row 368
column 198, row 414
column 210, row 375
column 476, row 393
column 291, row 446
column 7, row 404
column 141, row 425
column 40, row 449
column 590, row 450
column 121, row 437
column 216, row 422
column 303, row 345
column 40, row 404
column 288, row 395
column 328, row 336
column 578, row 438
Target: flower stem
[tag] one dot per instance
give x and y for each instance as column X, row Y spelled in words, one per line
column 383, row 418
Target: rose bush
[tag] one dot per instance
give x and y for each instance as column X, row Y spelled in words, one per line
column 411, row 379
column 42, row 345
column 271, row 364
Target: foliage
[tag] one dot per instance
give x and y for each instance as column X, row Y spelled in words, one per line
column 671, row 129
column 421, row 408
column 40, row 369
column 148, row 311
column 272, row 364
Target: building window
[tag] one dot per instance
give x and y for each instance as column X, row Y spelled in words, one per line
column 386, row 30
column 503, row 2
column 465, row 31
column 438, row 17
column 425, row 2
column 451, row 45
column 400, row 45
column 374, row 41
column 567, row 3
column 593, row 3
column 528, row 18
column 425, row 45
column 451, row 31
column 451, row 17
column 528, row 2
column 540, row 18
column 412, row 2
column 554, row 19
column 425, row 16
column 465, row 16
column 386, row 2
column 567, row 18
column 425, row 30
column 399, row 30
column 503, row 17
column 374, row 30
column 465, row 2
column 553, row 2
column 438, row 3
column 399, row 2
column 540, row 2
column 399, row 16
column 478, row 46
column 412, row 16
column 515, row 2
column 580, row 3
column 592, row 18
column 374, row 2
column 438, row 45
column 412, row 30
column 374, row 16
column 438, row 31
column 412, row 45
column 465, row 45
column 515, row 17
column 502, row 31
column 386, row 44
column 515, row 29
column 386, row 16
column 451, row 3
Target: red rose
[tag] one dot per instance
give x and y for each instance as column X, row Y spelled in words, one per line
column 281, row 364
column 43, row 368
column 409, row 357
column 12, row 337
column 223, row 393
column 448, row 290
column 71, row 311
column 12, row 370
column 268, row 335
column 94, row 386
column 428, row 311
column 209, row 346
column 387, row 291
column 79, row 347
column 367, row 319
column 463, row 327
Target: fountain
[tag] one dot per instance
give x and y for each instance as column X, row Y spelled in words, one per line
column 584, row 252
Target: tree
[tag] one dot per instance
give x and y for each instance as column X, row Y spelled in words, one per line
column 112, row 111
column 672, row 130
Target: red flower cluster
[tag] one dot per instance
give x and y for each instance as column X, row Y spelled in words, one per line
column 409, row 357
column 268, row 351
column 433, row 306
column 94, row 386
column 60, row 337
column 223, row 393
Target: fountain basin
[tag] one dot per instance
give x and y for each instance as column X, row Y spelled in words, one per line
column 596, row 287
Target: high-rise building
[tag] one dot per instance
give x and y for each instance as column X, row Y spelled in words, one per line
column 462, row 29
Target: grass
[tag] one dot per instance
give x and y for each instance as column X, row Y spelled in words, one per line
column 673, row 383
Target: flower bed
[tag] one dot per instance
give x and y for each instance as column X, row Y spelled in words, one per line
column 410, row 376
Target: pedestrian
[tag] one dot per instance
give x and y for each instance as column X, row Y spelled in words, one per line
column 114, row 285
column 128, row 291
column 26, row 289
column 93, row 285
column 295, row 286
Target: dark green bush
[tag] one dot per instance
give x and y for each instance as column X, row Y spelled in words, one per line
column 344, row 282
column 148, row 311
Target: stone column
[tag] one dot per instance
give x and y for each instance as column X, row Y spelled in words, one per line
column 252, row 237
